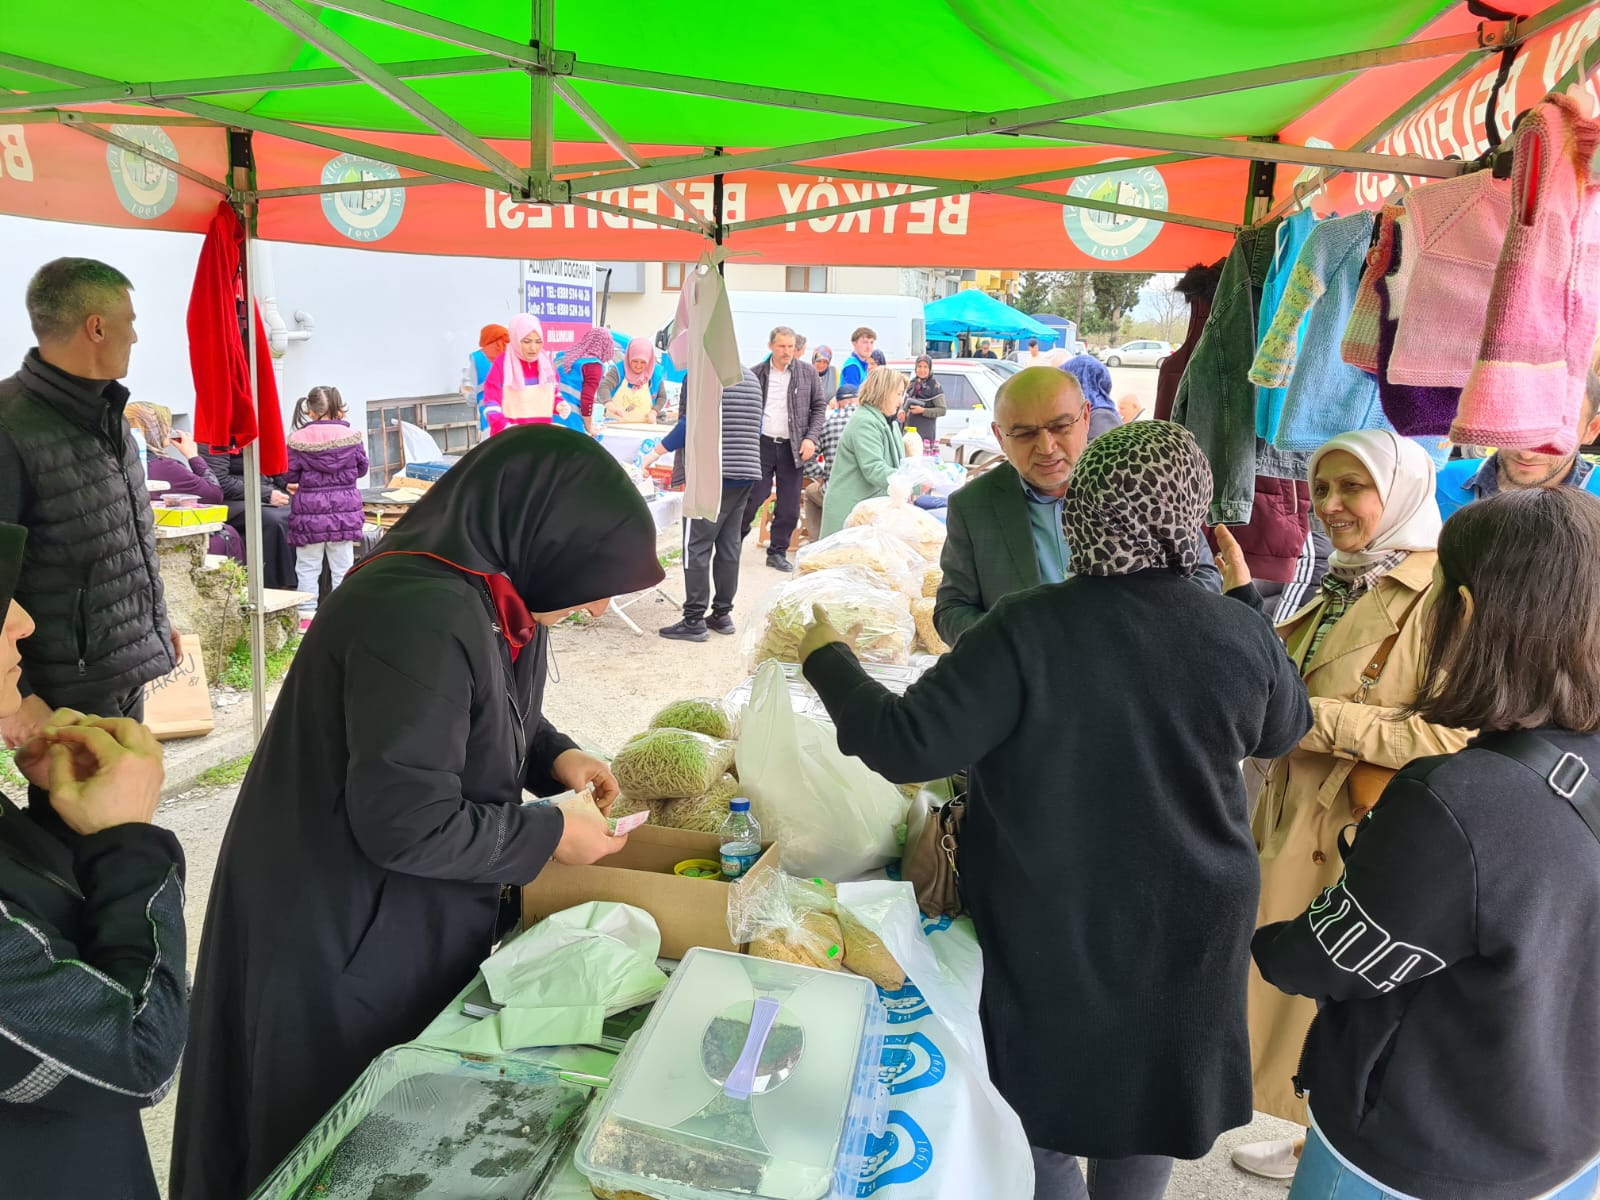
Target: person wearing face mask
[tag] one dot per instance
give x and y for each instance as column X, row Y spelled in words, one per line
column 1004, row 528
column 521, row 387
column 93, row 998
column 1468, row 479
column 1373, row 492
column 374, row 852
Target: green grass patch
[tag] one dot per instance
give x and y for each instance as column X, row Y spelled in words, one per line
column 235, row 671
column 670, row 559
column 228, row 774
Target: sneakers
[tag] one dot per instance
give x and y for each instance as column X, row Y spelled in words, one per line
column 305, row 624
column 1269, row 1160
column 779, row 562
column 721, row 623
column 686, row 631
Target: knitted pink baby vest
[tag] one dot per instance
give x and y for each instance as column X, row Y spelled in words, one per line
column 1527, row 386
column 1457, row 227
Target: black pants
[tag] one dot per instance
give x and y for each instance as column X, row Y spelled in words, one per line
column 777, row 462
column 1057, row 1177
column 711, row 553
column 277, row 560
column 124, row 704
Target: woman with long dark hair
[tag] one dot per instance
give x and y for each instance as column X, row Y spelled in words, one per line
column 1454, row 962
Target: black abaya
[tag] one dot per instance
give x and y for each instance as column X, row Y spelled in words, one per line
column 359, row 882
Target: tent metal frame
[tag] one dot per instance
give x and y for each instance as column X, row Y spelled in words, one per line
column 554, row 73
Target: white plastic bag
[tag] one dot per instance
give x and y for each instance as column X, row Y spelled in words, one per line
column 948, row 1134
column 879, row 552
column 830, row 814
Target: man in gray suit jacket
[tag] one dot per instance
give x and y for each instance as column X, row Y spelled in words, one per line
column 1004, row 527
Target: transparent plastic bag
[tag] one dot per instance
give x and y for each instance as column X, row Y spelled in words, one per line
column 874, row 619
column 698, row 814
column 710, row 717
column 921, row 531
column 786, row 919
column 667, row 764
column 927, row 635
column 925, row 477
column 887, row 556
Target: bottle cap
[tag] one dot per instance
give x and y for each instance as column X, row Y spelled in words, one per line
column 738, row 804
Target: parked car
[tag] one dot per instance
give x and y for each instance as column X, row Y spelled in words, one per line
column 1143, row 353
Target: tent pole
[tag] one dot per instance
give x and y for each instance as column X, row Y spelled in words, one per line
column 542, row 97
column 241, row 159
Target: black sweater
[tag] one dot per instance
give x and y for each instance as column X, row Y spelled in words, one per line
column 93, row 1003
column 1457, row 1049
column 1106, row 859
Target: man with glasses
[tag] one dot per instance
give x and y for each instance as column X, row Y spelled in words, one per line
column 1005, row 530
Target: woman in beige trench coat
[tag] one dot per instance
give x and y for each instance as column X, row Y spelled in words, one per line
column 1374, row 493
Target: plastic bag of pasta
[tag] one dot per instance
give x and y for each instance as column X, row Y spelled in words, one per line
column 710, row 717
column 665, row 764
column 885, row 555
column 919, row 530
column 787, row 919
column 874, row 619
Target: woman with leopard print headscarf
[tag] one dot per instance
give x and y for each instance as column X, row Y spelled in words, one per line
column 1106, row 858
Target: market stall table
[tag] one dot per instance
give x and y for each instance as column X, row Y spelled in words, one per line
column 624, row 441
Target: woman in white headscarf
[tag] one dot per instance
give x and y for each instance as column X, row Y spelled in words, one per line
column 1373, row 491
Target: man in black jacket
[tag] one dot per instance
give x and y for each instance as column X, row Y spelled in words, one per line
column 790, row 426
column 93, row 1000
column 70, row 474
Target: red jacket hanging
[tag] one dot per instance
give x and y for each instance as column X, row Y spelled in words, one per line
column 224, row 415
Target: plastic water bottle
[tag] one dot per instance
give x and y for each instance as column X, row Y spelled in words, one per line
column 741, row 840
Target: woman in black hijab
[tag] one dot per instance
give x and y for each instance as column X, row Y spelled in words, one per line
column 364, row 873
column 924, row 404
column 1106, row 858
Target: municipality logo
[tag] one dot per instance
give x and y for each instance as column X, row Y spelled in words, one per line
column 905, row 1005
column 1115, row 237
column 146, row 189
column 910, row 1063
column 902, row 1154
column 368, row 214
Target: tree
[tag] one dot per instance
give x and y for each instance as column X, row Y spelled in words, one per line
column 1171, row 314
column 1035, row 293
column 1071, row 297
column 1116, row 293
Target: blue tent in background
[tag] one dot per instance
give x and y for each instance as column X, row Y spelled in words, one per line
column 975, row 312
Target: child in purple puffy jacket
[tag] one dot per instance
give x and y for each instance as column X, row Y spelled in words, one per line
column 326, row 457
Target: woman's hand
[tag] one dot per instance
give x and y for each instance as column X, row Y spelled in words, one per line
column 1235, row 570
column 585, row 835
column 103, row 773
column 917, row 410
column 578, row 769
column 185, row 444
column 818, row 634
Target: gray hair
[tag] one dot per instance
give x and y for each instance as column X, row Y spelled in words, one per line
column 781, row 329
column 64, row 293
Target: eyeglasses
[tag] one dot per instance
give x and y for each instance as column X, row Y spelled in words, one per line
column 1058, row 429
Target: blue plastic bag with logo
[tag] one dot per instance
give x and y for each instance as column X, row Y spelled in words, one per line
column 948, row 1134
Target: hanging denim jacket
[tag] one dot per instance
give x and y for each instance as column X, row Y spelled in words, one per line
column 1216, row 400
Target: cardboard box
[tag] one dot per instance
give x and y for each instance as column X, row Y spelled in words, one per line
column 690, row 912
column 183, row 518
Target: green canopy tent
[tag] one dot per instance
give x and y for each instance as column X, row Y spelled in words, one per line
column 956, row 134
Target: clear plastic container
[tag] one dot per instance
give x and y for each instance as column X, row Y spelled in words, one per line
column 751, row 1076
column 427, row 1122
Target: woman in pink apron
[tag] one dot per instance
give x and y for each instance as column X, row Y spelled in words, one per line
column 521, row 387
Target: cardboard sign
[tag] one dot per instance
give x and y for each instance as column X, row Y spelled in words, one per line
column 178, row 705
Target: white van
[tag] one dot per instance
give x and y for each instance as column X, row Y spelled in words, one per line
column 824, row 319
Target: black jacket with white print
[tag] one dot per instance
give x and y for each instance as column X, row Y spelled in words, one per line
column 93, row 1003
column 1457, row 969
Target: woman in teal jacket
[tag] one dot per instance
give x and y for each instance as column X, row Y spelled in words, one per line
column 870, row 448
